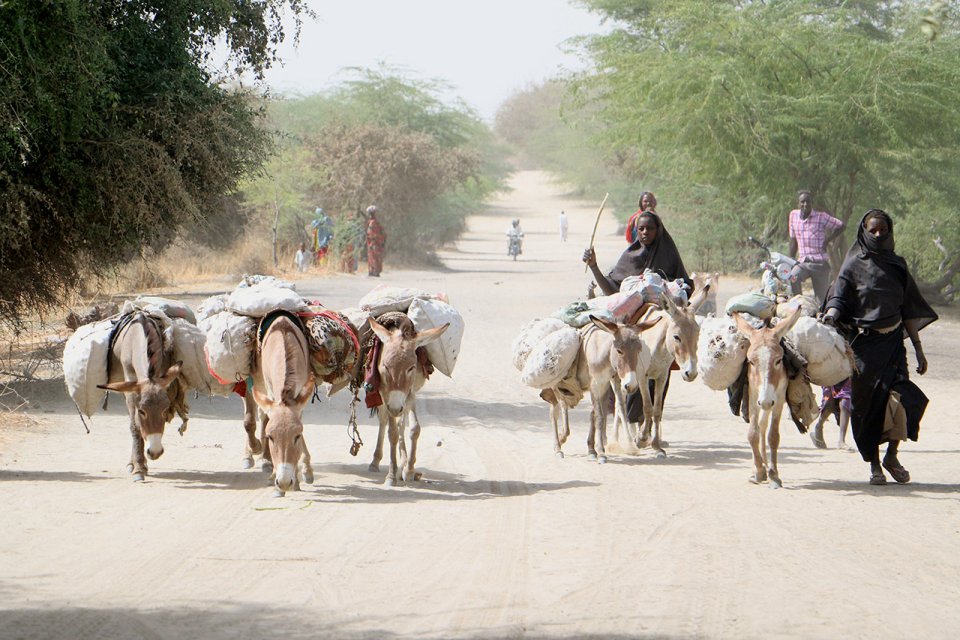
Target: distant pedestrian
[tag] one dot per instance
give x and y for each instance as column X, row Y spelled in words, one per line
column 811, row 233
column 302, row 260
column 376, row 243
column 564, row 223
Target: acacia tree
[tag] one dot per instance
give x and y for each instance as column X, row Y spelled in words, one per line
column 113, row 132
column 747, row 102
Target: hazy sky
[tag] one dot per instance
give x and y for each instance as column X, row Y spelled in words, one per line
column 486, row 49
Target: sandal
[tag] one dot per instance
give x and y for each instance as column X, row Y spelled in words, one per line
column 901, row 475
column 878, row 478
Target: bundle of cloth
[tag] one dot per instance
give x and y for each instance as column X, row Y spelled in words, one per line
column 87, row 352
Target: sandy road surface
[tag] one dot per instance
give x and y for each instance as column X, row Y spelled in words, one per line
column 501, row 540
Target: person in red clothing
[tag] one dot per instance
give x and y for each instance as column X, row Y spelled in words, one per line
column 648, row 202
column 376, row 243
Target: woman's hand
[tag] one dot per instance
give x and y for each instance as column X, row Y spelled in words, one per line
column 829, row 318
column 921, row 359
column 590, row 257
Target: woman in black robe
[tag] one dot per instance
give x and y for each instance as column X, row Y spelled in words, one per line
column 653, row 249
column 875, row 302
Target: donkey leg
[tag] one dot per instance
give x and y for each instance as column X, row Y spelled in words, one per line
column 658, row 419
column 138, row 461
column 555, row 423
column 253, row 445
column 591, row 435
column 266, row 462
column 565, row 412
column 600, row 411
column 753, row 435
column 378, row 450
column 409, row 472
column 648, row 391
column 394, row 433
column 773, row 440
column 306, row 469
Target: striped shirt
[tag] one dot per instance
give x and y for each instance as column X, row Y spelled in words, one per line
column 811, row 234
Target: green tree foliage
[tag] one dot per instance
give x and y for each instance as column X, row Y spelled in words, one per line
column 386, row 139
column 114, row 135
column 738, row 104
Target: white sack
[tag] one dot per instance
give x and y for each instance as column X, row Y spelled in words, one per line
column 169, row 308
column 188, row 348
column 386, row 298
column 259, row 300
column 829, row 359
column 808, row 306
column 721, row 352
column 551, row 358
column 85, row 365
column 211, row 306
column 531, row 334
column 231, row 339
column 428, row 314
column 258, row 280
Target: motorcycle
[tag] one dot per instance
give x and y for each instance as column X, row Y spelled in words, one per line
column 514, row 245
column 779, row 271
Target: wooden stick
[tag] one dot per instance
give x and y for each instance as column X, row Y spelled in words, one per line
column 595, row 225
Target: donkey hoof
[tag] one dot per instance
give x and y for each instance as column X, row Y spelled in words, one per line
column 130, row 468
column 266, row 466
column 138, row 477
column 390, row 482
column 559, row 454
column 308, row 476
column 775, row 482
column 592, row 456
column 247, row 463
column 602, row 460
column 373, row 467
column 661, row 453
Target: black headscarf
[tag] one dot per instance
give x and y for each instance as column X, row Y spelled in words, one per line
column 661, row 256
column 874, row 288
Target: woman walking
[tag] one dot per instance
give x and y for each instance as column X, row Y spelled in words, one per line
column 876, row 302
column 376, row 243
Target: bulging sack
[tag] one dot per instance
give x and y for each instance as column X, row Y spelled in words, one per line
column 808, row 307
column 829, row 358
column 211, row 306
column 755, row 304
column 385, row 298
column 429, row 314
column 259, row 300
column 169, row 308
column 721, row 352
column 85, row 365
column 230, row 344
column 188, row 348
column 551, row 359
column 531, row 334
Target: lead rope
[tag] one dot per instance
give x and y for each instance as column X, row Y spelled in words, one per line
column 352, row 431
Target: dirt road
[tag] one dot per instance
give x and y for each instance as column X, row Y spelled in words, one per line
column 501, row 539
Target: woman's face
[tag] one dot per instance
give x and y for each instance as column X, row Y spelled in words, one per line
column 648, row 202
column 877, row 227
column 646, row 230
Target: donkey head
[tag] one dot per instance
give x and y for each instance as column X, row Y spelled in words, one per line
column 683, row 332
column 627, row 356
column 766, row 373
column 153, row 406
column 398, row 362
column 284, row 433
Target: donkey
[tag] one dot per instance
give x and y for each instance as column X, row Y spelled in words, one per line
column 611, row 356
column 140, row 369
column 674, row 340
column 767, row 383
column 283, row 383
column 400, row 379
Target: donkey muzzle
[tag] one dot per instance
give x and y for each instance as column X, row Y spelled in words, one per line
column 154, row 446
column 286, row 474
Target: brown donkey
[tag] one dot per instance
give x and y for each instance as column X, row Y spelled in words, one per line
column 400, row 379
column 767, row 386
column 140, row 369
column 282, row 385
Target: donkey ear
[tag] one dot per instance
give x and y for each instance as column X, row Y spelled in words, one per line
column 170, row 375
column 667, row 304
column 379, row 330
column 263, row 400
column 648, row 323
column 606, row 325
column 700, row 296
column 743, row 326
column 784, row 326
column 127, row 386
column 429, row 335
column 306, row 393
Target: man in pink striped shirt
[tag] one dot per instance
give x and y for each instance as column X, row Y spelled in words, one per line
column 811, row 233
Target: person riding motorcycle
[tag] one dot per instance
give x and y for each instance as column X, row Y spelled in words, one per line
column 515, row 235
